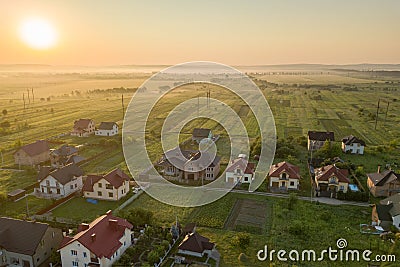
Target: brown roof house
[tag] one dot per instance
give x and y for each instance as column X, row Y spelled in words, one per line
column 383, row 184
column 26, row 243
column 196, row 245
column 59, row 183
column 284, row 176
column 201, row 133
column 83, row 128
column 317, row 139
column 64, row 156
column 32, row 154
column 330, row 179
column 107, row 129
column 240, row 170
column 180, row 164
column 100, row 243
column 112, row 186
column 387, row 213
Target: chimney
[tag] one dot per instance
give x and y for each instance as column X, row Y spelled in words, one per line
column 83, row 227
column 113, row 224
column 379, row 168
column 93, row 237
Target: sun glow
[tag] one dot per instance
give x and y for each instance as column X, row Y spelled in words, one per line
column 38, row 33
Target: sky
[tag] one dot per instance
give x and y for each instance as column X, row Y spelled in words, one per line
column 230, row 32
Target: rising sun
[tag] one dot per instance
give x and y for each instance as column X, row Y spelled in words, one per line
column 38, row 33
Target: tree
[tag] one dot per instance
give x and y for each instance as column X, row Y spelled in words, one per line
column 153, row 257
column 5, row 112
column 138, row 216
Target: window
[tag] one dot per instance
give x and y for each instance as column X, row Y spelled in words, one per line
column 108, row 186
column 283, row 175
column 292, row 183
column 99, row 193
column 110, row 194
column 100, row 185
column 71, row 186
column 84, row 254
column 76, row 185
column 341, row 187
column 47, row 182
column 75, row 263
column 74, row 253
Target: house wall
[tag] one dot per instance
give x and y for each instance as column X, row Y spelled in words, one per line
column 212, row 172
column 118, row 193
column 190, row 253
column 17, row 259
column 353, row 148
column 22, row 158
column 67, row 258
column 65, row 190
column 50, row 242
column 385, row 190
column 396, row 221
column 314, row 144
column 345, row 185
column 286, row 182
column 112, row 132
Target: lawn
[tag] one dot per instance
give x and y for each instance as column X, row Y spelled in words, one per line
column 80, row 210
column 27, row 206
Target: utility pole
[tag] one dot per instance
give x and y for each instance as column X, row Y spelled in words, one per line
column 123, row 107
column 29, row 99
column 387, row 110
column 33, row 96
column 377, row 112
column 23, row 98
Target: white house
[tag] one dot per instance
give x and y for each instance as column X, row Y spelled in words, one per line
column 317, row 139
column 196, row 245
column 284, row 176
column 353, row 145
column 100, row 243
column 59, row 183
column 112, row 186
column 107, row 129
column 240, row 170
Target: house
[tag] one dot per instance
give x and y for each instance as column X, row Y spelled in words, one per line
column 317, row 139
column 100, row 243
column 59, row 183
column 196, row 245
column 383, row 184
column 26, row 243
column 107, row 129
column 188, row 165
column 201, row 133
column 83, row 128
column 353, row 145
column 240, row 170
column 32, row 154
column 330, row 179
column 64, row 156
column 112, row 186
column 387, row 213
column 284, row 176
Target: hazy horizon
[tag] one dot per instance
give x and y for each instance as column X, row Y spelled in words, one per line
column 237, row 33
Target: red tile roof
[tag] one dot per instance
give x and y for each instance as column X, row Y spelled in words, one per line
column 36, row 148
column 242, row 164
column 116, row 178
column 101, row 236
column 82, row 124
column 324, row 173
column 291, row 170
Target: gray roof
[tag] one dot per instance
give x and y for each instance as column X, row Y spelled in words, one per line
column 321, row 136
column 65, row 174
column 64, row 150
column 21, row 236
column 107, row 125
column 380, row 178
column 383, row 212
column 351, row 139
column 201, row 132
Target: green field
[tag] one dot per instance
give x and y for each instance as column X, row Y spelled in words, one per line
column 329, row 102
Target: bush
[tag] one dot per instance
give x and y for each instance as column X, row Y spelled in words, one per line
column 241, row 240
